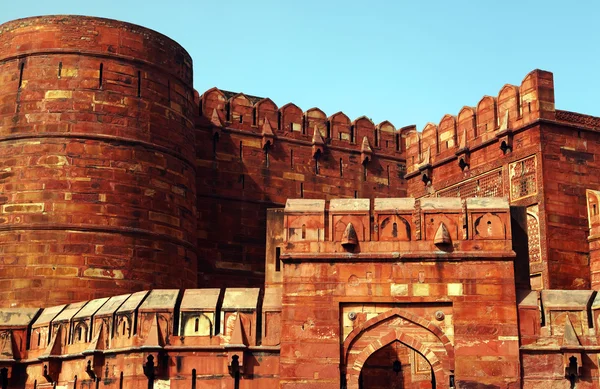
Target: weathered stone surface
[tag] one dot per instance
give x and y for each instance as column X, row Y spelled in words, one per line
column 200, row 299
column 17, row 317
column 97, row 171
column 116, row 177
column 394, row 204
column 241, row 298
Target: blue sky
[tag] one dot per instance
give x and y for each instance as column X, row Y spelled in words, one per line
column 409, row 62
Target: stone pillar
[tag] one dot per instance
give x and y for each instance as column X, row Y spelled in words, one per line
column 593, row 207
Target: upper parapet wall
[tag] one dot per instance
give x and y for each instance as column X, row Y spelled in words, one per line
column 148, row 319
column 94, row 36
column 406, row 227
column 492, row 118
column 578, row 119
column 253, row 114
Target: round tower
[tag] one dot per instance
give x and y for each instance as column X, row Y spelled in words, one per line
column 97, row 181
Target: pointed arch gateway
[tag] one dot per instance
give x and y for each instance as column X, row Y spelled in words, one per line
column 397, row 325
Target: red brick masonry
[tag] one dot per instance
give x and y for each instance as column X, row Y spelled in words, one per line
column 151, row 236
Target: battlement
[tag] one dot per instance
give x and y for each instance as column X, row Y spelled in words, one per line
column 563, row 324
column 69, row 34
column 261, row 117
column 148, row 321
column 402, row 228
column 492, row 120
column 252, row 155
column 591, row 122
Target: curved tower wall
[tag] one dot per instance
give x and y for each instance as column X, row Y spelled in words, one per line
column 97, row 179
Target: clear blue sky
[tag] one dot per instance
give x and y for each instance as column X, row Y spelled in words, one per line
column 409, row 62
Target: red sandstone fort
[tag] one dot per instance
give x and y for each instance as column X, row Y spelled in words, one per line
column 155, row 237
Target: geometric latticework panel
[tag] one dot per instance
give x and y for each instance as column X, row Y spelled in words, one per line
column 523, row 180
column 420, row 364
column 485, row 185
column 533, row 238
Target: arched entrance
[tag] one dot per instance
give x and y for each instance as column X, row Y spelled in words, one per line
column 396, row 366
column 367, row 346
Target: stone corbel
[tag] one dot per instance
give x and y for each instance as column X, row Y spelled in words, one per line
column 317, row 143
column 268, row 137
column 505, row 136
column 217, row 124
column 463, row 154
column 425, row 167
column 366, row 153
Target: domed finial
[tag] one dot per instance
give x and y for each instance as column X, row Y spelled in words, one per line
column 349, row 238
column 216, row 119
column 217, row 123
column 317, row 137
column 317, row 142
column 425, row 158
column 365, row 150
column 462, row 144
column 267, row 134
column 442, row 236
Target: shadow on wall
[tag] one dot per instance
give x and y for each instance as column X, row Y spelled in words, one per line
column 240, row 177
column 475, row 385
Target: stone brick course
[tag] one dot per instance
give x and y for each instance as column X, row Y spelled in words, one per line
column 96, row 154
column 122, row 189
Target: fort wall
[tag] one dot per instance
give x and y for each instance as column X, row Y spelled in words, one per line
column 166, row 336
column 252, row 155
column 508, row 146
column 407, row 271
column 121, row 188
column 97, row 175
column 570, row 166
column 103, row 135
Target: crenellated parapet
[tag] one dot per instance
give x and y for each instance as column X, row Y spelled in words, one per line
column 593, row 217
column 97, row 161
column 397, row 229
column 14, row 335
column 240, row 112
column 252, row 154
column 83, row 338
column 492, row 121
column 561, row 324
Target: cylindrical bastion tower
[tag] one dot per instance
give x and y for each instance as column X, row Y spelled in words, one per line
column 97, row 181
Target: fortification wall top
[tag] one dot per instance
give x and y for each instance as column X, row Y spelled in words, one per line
column 558, row 321
column 94, row 36
column 252, row 114
column 592, row 122
column 407, row 227
column 491, row 120
column 147, row 320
